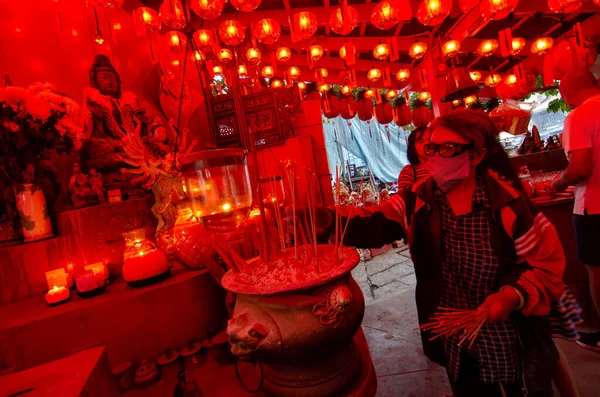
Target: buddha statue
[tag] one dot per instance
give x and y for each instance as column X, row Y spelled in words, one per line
column 108, row 115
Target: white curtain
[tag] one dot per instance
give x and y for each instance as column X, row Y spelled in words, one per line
column 382, row 149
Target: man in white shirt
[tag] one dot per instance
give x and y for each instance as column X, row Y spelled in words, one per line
column 581, row 141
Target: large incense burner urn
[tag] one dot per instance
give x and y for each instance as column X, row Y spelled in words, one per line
column 302, row 331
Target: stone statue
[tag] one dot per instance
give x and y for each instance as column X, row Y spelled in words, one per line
column 85, row 190
column 95, row 180
column 108, row 113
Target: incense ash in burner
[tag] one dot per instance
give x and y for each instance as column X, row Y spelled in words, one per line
column 290, row 272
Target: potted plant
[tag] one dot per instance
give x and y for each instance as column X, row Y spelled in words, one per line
column 35, row 123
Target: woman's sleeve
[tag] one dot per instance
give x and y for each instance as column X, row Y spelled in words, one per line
column 540, row 258
column 373, row 227
column 407, row 177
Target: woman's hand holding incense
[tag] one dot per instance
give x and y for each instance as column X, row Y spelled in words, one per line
column 500, row 304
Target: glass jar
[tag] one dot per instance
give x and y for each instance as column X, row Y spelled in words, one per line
column 217, row 184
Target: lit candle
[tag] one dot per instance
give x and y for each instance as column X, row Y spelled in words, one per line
column 57, row 295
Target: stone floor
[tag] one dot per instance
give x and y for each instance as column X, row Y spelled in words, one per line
column 388, row 283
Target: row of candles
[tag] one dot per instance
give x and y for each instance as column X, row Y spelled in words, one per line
column 86, row 279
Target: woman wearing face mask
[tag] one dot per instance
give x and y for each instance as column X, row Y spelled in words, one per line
column 415, row 171
column 477, row 243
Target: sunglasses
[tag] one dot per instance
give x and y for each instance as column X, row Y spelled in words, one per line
column 448, row 149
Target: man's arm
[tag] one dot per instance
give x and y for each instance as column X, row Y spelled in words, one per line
column 579, row 169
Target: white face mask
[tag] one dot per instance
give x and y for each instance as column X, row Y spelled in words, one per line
column 449, row 172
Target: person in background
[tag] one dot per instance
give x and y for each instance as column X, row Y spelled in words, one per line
column 581, row 141
column 415, row 171
column 478, row 244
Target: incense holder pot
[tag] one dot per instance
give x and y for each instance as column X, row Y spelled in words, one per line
column 301, row 333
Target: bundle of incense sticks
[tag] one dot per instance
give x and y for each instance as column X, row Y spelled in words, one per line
column 448, row 321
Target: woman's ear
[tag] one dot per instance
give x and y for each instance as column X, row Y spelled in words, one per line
column 478, row 156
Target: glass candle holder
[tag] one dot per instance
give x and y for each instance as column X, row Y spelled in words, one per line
column 217, row 184
column 142, row 262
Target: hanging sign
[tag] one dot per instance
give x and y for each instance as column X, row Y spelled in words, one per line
column 505, row 39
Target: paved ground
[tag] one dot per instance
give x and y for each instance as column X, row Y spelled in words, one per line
column 388, row 284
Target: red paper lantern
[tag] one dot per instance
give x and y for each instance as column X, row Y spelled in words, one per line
column 276, row 83
column 597, row 2
column 383, row 113
column 218, row 69
column 283, row 54
column 493, row 80
column 580, row 56
column 232, row 32
column 451, row 48
column 294, row 72
column 337, row 19
column 323, row 88
column 470, row 99
column 403, row 75
column 245, row 5
column 542, row 45
column 305, row 24
column 564, row 6
column 374, row 74
column 176, row 41
column 198, row 56
column 487, row 47
column 242, row 70
column 146, row 20
column 424, row 96
column 334, row 106
column 267, row 31
column 402, row 113
column 225, row 55
column 475, row 75
column 433, row 12
column 268, row 72
column 253, row 55
column 207, row 9
column 302, row 85
column 381, row 51
column 391, row 94
column 497, row 9
column 385, row 15
column 364, row 106
column 346, row 90
column 173, row 14
column 203, row 38
column 316, row 52
column 321, row 73
column 467, row 5
column 518, row 43
column 418, row 50
column 343, row 52
column 510, row 79
column 348, row 107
